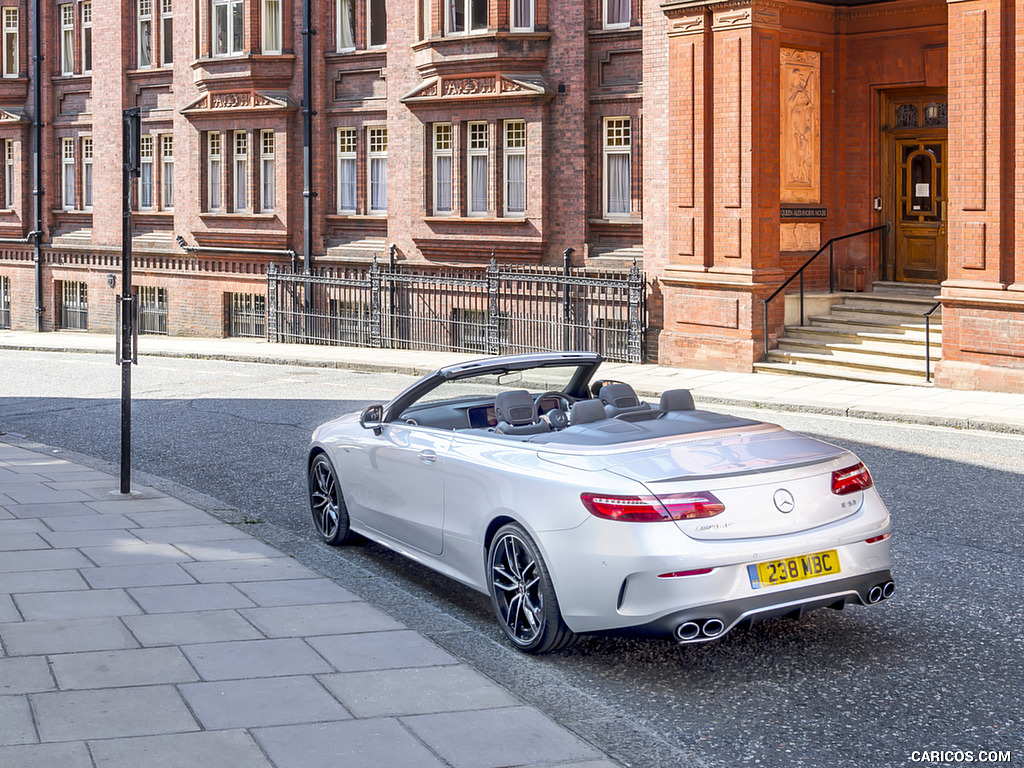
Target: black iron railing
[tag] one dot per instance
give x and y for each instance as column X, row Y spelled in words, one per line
column 829, row 246
column 153, row 310
column 928, row 341
column 247, row 315
column 495, row 310
column 5, row 302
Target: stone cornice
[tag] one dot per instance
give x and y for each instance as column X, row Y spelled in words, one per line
column 689, row 16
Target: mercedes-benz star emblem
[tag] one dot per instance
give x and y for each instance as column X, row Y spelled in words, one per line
column 784, row 501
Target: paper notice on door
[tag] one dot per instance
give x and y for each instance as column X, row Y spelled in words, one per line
column 922, row 190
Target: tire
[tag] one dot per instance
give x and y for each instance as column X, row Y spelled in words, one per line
column 522, row 593
column 330, row 516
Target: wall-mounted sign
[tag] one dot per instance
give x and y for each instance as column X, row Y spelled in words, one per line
column 802, row 212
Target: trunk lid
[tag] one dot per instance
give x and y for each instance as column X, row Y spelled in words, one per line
column 771, row 483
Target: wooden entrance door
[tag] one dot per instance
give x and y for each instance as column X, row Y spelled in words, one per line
column 920, row 215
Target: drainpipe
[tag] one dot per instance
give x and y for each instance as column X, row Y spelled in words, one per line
column 307, row 140
column 37, row 172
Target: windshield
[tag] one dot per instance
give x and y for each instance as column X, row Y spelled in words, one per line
column 554, row 377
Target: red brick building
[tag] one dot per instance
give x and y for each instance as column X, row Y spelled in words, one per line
column 719, row 142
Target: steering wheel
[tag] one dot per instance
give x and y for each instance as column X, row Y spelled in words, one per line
column 558, row 417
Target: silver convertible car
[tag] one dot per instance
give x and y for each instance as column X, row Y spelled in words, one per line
column 580, row 509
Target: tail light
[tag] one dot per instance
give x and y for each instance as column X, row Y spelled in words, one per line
column 652, row 509
column 851, row 479
column 876, row 539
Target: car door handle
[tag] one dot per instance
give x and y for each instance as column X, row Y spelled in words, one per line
column 428, row 456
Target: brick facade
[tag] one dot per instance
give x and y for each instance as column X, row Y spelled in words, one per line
column 732, row 109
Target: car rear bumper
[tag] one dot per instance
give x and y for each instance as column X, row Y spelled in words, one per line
column 729, row 614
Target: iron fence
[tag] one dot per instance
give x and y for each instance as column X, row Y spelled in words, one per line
column 496, row 310
column 5, row 302
column 246, row 315
column 74, row 307
column 152, row 310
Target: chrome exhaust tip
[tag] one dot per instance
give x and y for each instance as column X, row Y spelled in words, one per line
column 874, row 594
column 687, row 631
column 713, row 628
column 888, row 589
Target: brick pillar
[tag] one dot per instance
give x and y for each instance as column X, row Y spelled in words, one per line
column 983, row 297
column 724, row 145
column 113, row 56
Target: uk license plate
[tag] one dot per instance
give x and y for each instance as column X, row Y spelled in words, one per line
column 773, row 573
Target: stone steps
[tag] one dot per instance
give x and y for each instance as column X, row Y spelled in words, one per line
column 877, row 337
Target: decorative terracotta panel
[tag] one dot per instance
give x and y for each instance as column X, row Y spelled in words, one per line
column 799, row 236
column 800, row 124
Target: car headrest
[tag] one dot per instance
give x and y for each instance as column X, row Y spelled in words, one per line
column 618, row 395
column 514, row 407
column 676, row 400
column 586, row 411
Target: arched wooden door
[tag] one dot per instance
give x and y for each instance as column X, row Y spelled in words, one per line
column 920, row 215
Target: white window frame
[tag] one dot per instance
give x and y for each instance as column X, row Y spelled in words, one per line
column 370, row 25
column 377, row 152
column 477, row 146
column 342, row 9
column 167, row 172
column 86, row 11
column 240, row 170
column 12, row 39
column 467, row 18
column 214, row 166
column 87, row 174
column 268, row 192
column 67, row 173
column 67, row 39
column 146, row 185
column 513, row 146
column 618, row 24
column 616, row 139
column 425, row 17
column 8, row 148
column 229, row 30
column 442, row 144
column 144, row 33
column 346, row 156
column 166, row 33
column 512, row 17
column 266, row 27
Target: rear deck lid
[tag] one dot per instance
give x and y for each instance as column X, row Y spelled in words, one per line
column 771, row 483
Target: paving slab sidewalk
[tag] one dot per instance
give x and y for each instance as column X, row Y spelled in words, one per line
column 992, row 411
column 125, row 642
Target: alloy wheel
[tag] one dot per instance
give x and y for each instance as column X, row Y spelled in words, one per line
column 516, row 579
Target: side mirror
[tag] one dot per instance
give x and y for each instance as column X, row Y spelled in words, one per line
column 372, row 417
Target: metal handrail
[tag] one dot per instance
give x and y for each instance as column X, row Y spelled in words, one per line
column 831, row 273
column 928, row 342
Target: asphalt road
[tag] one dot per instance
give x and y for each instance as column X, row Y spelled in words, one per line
column 936, row 668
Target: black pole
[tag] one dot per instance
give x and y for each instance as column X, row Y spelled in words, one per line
column 392, row 255
column 37, row 171
column 130, row 145
column 566, row 262
column 307, row 140
column 764, row 331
